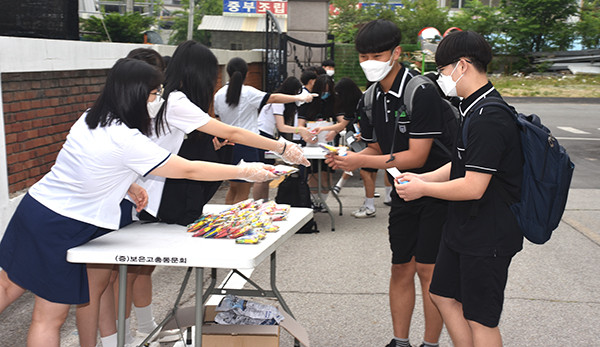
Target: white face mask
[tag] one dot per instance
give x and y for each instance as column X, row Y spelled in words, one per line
column 376, row 70
column 154, row 106
column 446, row 83
column 330, row 72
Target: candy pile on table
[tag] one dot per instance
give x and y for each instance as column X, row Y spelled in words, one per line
column 247, row 221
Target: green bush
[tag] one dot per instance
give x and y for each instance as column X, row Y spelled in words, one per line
column 129, row 27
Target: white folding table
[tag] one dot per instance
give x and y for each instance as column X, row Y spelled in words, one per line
column 170, row 245
column 318, row 153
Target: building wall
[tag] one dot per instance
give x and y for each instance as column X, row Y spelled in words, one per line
column 307, row 21
column 45, row 85
column 241, row 39
column 39, row 109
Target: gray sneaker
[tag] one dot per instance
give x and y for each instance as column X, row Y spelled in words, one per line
column 365, row 212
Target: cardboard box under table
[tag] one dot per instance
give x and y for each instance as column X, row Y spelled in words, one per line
column 170, row 245
column 219, row 335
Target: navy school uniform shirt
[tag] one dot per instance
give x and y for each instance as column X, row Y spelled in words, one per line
column 426, row 122
column 487, row 227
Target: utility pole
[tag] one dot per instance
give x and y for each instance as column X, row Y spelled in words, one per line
column 191, row 19
column 129, row 6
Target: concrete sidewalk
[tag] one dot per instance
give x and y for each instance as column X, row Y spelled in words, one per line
column 336, row 283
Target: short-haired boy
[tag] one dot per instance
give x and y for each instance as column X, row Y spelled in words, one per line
column 407, row 143
column 481, row 234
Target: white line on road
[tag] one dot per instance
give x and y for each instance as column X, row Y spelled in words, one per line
column 573, row 130
column 578, row 138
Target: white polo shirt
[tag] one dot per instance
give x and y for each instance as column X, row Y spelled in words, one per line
column 266, row 119
column 245, row 114
column 94, row 170
column 182, row 117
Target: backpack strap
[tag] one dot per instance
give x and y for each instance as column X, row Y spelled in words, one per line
column 489, row 101
column 410, row 89
column 408, row 97
column 368, row 101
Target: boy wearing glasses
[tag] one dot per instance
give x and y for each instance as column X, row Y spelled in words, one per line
column 481, row 234
column 407, row 143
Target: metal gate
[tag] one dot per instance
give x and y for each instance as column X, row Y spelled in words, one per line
column 274, row 57
column 281, row 49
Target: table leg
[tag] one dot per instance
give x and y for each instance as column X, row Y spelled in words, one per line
column 199, row 306
column 274, row 285
column 122, row 303
column 338, row 200
column 321, row 196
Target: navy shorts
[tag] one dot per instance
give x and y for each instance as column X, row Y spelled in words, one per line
column 248, row 154
column 261, row 152
column 415, row 230
column 33, row 252
column 475, row 281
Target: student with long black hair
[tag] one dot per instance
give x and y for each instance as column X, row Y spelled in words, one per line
column 106, row 150
column 320, row 109
column 238, row 104
column 182, row 111
column 279, row 119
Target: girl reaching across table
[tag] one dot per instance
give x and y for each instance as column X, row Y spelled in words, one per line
column 106, row 150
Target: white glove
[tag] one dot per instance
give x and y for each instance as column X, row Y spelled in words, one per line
column 291, row 153
column 255, row 172
column 307, row 98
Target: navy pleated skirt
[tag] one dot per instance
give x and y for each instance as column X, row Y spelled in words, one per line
column 33, row 252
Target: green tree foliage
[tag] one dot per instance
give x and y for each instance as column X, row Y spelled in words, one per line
column 129, row 27
column 345, row 24
column 180, row 23
column 419, row 14
column 415, row 16
column 480, row 18
column 538, row 25
column 588, row 26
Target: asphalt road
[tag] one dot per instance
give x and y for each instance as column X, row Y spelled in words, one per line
column 577, row 128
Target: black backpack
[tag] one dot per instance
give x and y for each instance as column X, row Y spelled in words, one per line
column 294, row 191
column 547, row 173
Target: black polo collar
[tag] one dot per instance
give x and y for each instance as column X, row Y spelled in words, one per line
column 472, row 99
column 398, row 85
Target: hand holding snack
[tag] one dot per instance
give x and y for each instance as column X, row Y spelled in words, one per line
column 412, row 191
column 291, row 153
column 255, row 172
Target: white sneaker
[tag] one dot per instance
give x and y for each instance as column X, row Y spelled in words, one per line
column 365, row 212
column 362, row 208
column 152, row 344
column 140, row 338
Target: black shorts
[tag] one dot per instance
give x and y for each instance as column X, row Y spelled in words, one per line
column 477, row 282
column 415, row 230
column 369, row 169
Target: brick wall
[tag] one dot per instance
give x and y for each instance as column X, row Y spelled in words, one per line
column 41, row 107
column 39, row 110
